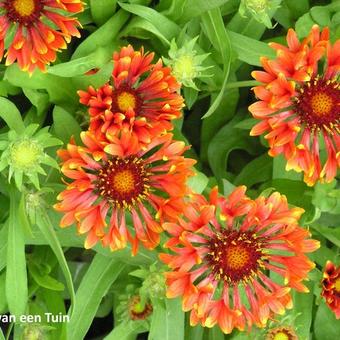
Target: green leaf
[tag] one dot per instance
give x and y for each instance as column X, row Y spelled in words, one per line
column 11, row 115
column 46, row 228
column 55, row 304
column 303, row 307
column 65, row 126
column 44, row 280
column 167, row 27
column 257, row 171
column 198, row 182
column 102, row 10
column 82, row 65
column 228, row 187
column 212, row 124
column 321, row 15
column 3, row 245
column 102, row 272
column 127, row 330
column 304, row 25
column 325, row 325
column 215, row 333
column 279, row 169
column 16, row 275
column 195, row 8
column 297, row 8
column 2, row 337
column 331, row 234
column 3, row 300
column 297, row 192
column 213, row 23
column 60, row 90
column 190, row 96
column 137, row 24
column 246, row 124
column 167, row 323
column 226, row 140
column 103, row 36
column 249, row 50
column 39, row 99
column 196, row 332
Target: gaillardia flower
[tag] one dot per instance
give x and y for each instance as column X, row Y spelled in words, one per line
column 221, row 253
column 32, row 31
column 281, row 333
column 331, row 287
column 299, row 104
column 115, row 182
column 142, row 97
column 24, row 155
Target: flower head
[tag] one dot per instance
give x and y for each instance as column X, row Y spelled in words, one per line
column 331, row 287
column 41, row 28
column 281, row 333
column 186, row 64
column 24, row 154
column 142, row 98
column 299, row 104
column 220, row 252
column 133, row 307
column 138, row 310
column 116, row 181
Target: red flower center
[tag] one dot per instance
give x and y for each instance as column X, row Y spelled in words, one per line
column 318, row 104
column 125, row 99
column 25, row 12
column 235, row 256
column 123, row 181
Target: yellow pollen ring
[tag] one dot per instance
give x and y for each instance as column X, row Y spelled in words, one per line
column 124, row 181
column 321, row 104
column 24, row 7
column 125, row 101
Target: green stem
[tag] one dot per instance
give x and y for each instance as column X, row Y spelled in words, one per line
column 243, row 83
column 232, row 85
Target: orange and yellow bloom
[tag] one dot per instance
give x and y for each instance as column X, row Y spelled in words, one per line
column 142, row 98
column 299, row 104
column 331, row 287
column 41, row 28
column 220, row 254
column 115, row 181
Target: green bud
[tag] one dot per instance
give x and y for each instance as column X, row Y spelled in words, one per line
column 33, row 332
column 260, row 10
column 186, row 64
column 24, row 155
column 154, row 285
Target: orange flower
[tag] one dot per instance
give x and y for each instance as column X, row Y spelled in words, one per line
column 113, row 184
column 142, row 97
column 299, row 104
column 331, row 287
column 35, row 40
column 221, row 250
